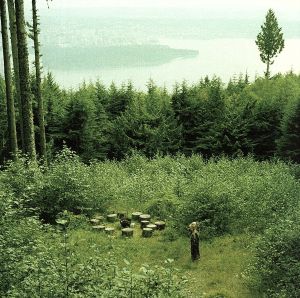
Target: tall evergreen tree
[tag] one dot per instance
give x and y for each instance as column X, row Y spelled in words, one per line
column 14, row 49
column 38, row 89
column 289, row 143
column 270, row 40
column 25, row 93
column 8, row 82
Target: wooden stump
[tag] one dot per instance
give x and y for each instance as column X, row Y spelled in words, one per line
column 136, row 216
column 94, row 221
column 147, row 232
column 160, row 225
column 145, row 217
column 109, row 231
column 127, row 232
column 144, row 223
column 99, row 217
column 99, row 228
column 111, row 217
column 152, row 226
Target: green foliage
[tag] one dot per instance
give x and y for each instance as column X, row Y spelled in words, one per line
column 207, row 118
column 225, row 196
column 270, row 40
column 289, row 143
column 211, row 212
column 277, row 261
column 67, row 185
column 163, row 208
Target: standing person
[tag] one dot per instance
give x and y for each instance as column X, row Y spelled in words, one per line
column 195, row 252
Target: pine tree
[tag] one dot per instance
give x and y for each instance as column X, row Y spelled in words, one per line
column 25, row 91
column 270, row 40
column 38, row 92
column 8, row 82
column 14, row 49
column 289, row 143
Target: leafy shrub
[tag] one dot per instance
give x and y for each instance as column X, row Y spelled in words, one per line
column 68, row 185
column 163, row 208
column 24, row 179
column 212, row 213
column 276, row 269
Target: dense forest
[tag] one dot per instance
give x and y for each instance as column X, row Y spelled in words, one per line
column 210, row 118
column 78, row 165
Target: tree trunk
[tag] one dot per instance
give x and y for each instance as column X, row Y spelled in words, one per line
column 268, row 68
column 28, row 127
column 8, row 83
column 14, row 48
column 38, row 91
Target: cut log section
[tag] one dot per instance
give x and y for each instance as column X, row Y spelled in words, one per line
column 94, row 221
column 127, row 232
column 111, row 217
column 152, row 226
column 147, row 232
column 99, row 228
column 109, row 231
column 144, row 223
column 100, row 218
column 145, row 217
column 136, row 216
column 160, row 225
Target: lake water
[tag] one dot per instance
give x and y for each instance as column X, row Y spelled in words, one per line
column 222, row 57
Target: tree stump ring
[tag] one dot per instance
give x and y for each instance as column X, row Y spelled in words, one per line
column 145, row 217
column 111, row 217
column 127, row 232
column 152, row 226
column 144, row 223
column 147, row 232
column 100, row 228
column 94, row 221
column 109, row 231
column 160, row 225
column 136, row 216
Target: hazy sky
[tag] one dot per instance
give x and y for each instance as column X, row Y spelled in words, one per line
column 276, row 4
column 287, row 9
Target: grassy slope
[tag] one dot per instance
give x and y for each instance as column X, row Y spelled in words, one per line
column 218, row 272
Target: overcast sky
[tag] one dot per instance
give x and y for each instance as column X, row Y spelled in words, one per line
column 276, row 4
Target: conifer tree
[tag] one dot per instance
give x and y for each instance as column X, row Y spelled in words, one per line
column 38, row 91
column 14, row 49
column 8, row 82
column 270, row 40
column 25, row 91
column 289, row 143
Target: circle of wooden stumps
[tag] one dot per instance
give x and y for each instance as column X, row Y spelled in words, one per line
column 127, row 232
column 144, row 219
column 112, row 217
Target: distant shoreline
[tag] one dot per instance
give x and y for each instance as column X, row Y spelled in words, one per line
column 80, row 58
